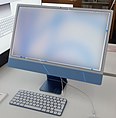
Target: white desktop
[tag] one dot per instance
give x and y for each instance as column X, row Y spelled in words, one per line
column 5, row 10
column 6, row 28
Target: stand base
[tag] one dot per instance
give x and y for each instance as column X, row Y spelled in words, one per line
column 54, row 85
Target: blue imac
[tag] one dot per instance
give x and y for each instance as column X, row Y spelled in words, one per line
column 63, row 43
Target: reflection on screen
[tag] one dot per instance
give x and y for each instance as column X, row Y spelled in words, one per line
column 68, row 37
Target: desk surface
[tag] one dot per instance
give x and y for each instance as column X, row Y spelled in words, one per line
column 78, row 106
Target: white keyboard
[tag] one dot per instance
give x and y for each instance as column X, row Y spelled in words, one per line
column 6, row 25
column 39, row 102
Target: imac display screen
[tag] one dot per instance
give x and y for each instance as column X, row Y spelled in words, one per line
column 62, row 36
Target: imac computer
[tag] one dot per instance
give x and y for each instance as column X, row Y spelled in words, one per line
column 63, row 43
column 5, row 40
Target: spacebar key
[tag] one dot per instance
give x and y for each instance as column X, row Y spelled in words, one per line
column 32, row 107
